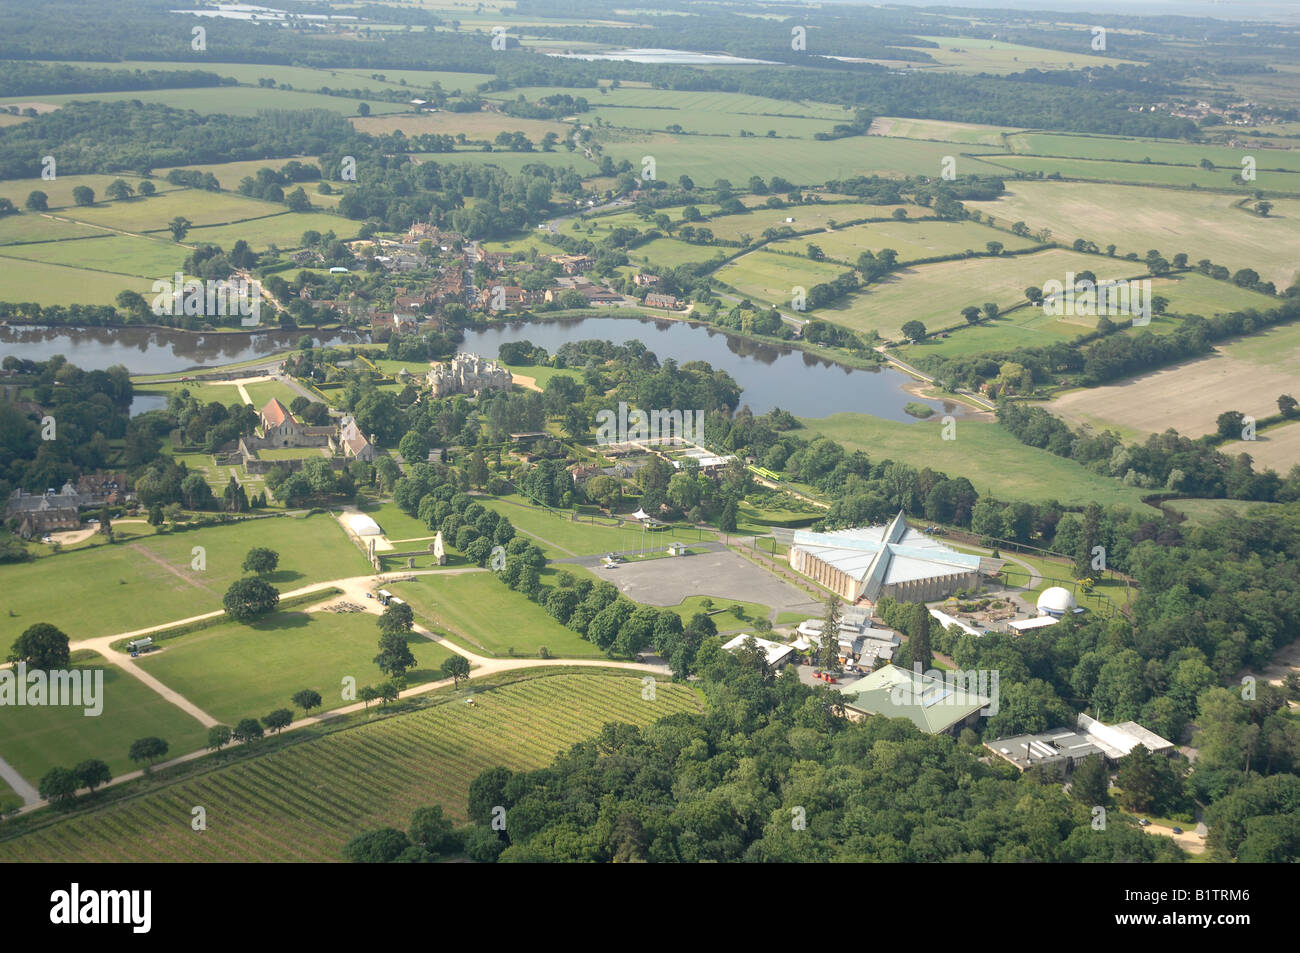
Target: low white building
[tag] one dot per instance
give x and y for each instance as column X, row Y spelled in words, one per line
column 775, row 653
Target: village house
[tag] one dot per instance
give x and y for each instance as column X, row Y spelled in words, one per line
column 573, row 264
column 642, row 280
column 654, row 300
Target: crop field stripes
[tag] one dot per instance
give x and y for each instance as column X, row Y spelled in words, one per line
column 302, row 803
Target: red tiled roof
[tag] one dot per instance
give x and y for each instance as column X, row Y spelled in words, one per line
column 275, row 413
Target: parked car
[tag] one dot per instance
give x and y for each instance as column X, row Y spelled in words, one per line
column 1177, row 830
column 1144, row 822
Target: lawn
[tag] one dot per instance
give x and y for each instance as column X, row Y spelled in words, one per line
column 561, row 537
column 993, row 460
column 263, row 394
column 235, row 671
column 34, row 740
column 490, row 617
column 124, row 587
column 303, row 802
column 396, row 524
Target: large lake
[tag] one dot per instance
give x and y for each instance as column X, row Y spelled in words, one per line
column 771, row 376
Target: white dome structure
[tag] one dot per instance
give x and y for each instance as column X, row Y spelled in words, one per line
column 1056, row 601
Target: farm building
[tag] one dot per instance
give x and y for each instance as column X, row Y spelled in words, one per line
column 893, row 560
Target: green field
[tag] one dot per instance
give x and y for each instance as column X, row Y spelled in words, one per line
column 32, row 227
column 34, row 740
column 236, row 671
column 669, row 253
column 1200, row 224
column 963, row 54
column 125, row 587
column 912, row 241
column 284, row 229
column 707, row 158
column 263, row 394
column 561, row 537
column 125, row 255
column 1140, row 173
column 934, row 294
column 490, row 617
column 1167, row 151
column 152, row 214
column 818, row 215
column 396, row 524
column 966, row 133
column 304, row 802
column 59, row 191
column 992, row 459
column 771, row 279
column 24, row 280
column 233, row 100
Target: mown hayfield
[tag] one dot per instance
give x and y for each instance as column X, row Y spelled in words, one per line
column 1194, row 293
column 707, row 158
column 123, row 587
column 233, row 100
column 126, row 255
column 34, row 740
column 819, row 215
column 934, row 294
column 1190, row 396
column 283, row 228
column 965, row 133
column 490, row 617
column 24, row 280
column 236, row 671
column 1137, row 173
column 58, row 191
column 303, row 803
column 1166, row 151
column 1201, row 224
column 921, row 239
column 1277, row 447
column 990, row 457
column 770, row 279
